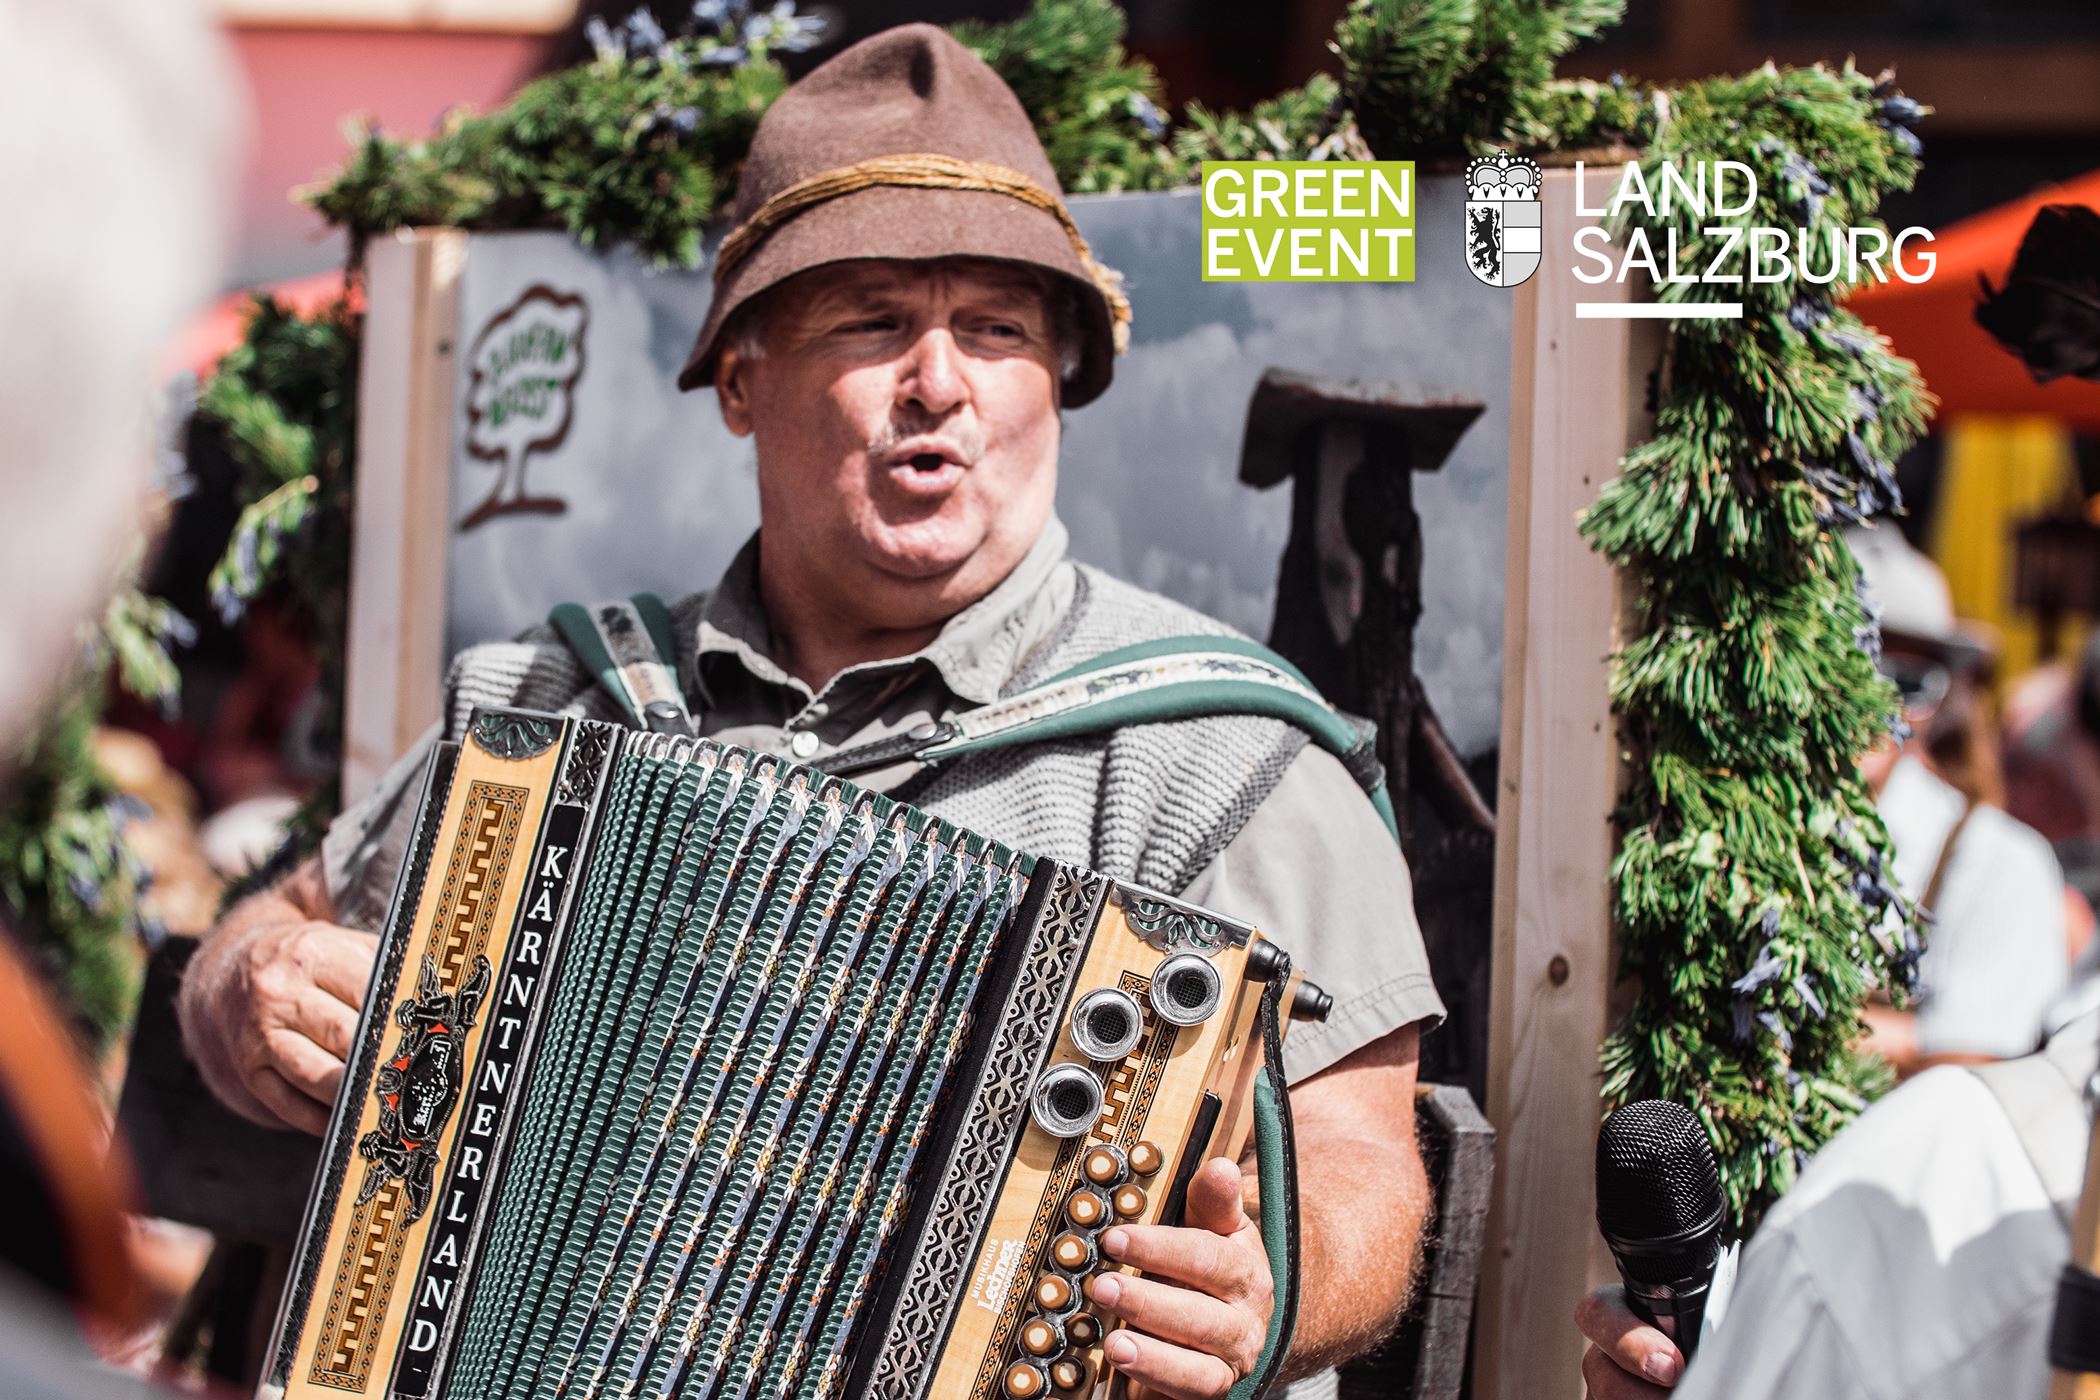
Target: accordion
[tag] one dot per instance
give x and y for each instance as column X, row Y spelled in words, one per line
column 687, row 1071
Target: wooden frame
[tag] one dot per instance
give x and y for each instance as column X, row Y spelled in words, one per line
column 395, row 654
column 1578, row 392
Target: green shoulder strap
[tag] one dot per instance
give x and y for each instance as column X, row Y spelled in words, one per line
column 1169, row 679
column 1276, row 1167
column 627, row 646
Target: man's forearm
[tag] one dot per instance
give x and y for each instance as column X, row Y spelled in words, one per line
column 1362, row 1213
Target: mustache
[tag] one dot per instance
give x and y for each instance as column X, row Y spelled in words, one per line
column 966, row 440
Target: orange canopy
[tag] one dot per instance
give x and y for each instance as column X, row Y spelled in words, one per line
column 1933, row 323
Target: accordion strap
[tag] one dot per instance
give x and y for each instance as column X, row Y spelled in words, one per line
column 1170, row 679
column 1276, row 1167
column 625, row 645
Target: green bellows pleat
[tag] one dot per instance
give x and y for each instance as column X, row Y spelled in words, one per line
column 724, row 998
column 572, row 1063
column 656, row 1094
column 761, row 1004
column 876, row 1170
column 686, row 928
column 767, row 980
column 787, row 1297
column 507, row 1252
column 868, row 932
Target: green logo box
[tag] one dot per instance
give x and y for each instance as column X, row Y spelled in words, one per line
column 1308, row 221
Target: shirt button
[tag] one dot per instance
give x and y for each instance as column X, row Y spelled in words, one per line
column 803, row 744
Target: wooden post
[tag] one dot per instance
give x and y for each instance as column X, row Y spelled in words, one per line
column 396, row 647
column 1578, row 395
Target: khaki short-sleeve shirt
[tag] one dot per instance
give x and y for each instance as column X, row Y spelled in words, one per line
column 1313, row 868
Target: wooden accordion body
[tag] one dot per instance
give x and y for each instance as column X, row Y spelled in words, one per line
column 689, row 1072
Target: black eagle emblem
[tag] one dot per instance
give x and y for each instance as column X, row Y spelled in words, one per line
column 418, row 1086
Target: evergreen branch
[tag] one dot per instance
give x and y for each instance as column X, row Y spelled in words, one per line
column 1752, row 892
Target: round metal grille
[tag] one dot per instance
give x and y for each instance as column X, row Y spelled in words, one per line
column 1107, row 1023
column 1067, row 1100
column 1186, row 989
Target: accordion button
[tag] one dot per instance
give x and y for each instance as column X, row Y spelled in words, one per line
column 1104, row 1165
column 1025, row 1380
column 1145, row 1159
column 1042, row 1337
column 1130, row 1202
column 1086, row 1209
column 803, row 744
column 1082, row 1329
column 1074, row 1253
column 1053, row 1293
column 1068, row 1375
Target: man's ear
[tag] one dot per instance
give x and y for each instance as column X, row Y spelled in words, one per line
column 733, row 390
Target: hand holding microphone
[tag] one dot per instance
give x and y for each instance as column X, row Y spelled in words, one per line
column 1659, row 1208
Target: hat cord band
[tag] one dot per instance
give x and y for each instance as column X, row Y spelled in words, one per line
column 926, row 171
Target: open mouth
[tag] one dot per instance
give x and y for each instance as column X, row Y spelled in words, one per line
column 927, row 462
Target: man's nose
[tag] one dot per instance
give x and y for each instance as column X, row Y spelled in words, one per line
column 933, row 375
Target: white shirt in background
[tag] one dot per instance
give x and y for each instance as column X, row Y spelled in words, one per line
column 1995, row 955
column 1917, row 1257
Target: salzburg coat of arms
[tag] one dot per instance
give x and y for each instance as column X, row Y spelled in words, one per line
column 1503, row 239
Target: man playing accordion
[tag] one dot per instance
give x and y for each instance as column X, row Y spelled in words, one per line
column 903, row 310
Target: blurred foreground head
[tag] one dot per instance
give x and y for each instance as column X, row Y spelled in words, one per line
column 116, row 119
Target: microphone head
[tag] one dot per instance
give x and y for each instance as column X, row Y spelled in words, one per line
column 1657, row 1184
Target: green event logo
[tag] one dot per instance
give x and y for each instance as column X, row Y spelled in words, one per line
column 1308, row 221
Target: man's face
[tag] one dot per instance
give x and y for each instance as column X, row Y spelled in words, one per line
column 1922, row 680
column 905, row 416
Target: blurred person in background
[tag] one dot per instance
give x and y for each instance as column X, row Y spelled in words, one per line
column 115, row 152
column 2052, row 768
column 1995, row 950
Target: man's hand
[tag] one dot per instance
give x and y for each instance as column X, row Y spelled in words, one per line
column 1197, row 1324
column 269, row 1005
column 1628, row 1359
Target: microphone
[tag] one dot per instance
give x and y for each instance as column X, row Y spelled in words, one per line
column 1659, row 1208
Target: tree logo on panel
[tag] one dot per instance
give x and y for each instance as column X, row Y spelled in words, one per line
column 522, row 396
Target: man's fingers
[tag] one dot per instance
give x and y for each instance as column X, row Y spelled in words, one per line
column 1223, row 1267
column 305, row 1066
column 1182, row 1316
column 296, row 1109
column 1214, row 1199
column 338, row 961
column 1623, row 1340
column 1603, row 1380
column 1168, row 1369
column 324, row 1020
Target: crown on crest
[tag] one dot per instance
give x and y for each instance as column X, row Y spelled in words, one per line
column 1502, row 176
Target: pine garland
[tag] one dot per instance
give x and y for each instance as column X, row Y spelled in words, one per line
column 70, row 888
column 637, row 147
column 1751, row 891
column 1095, row 108
column 1443, row 79
column 284, row 402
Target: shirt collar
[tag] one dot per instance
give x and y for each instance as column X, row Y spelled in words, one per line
column 974, row 653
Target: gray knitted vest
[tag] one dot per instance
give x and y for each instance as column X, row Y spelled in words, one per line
column 1154, row 803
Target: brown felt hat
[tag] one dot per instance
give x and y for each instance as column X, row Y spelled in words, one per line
column 907, row 145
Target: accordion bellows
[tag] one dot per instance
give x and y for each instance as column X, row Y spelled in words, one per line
column 689, row 1072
